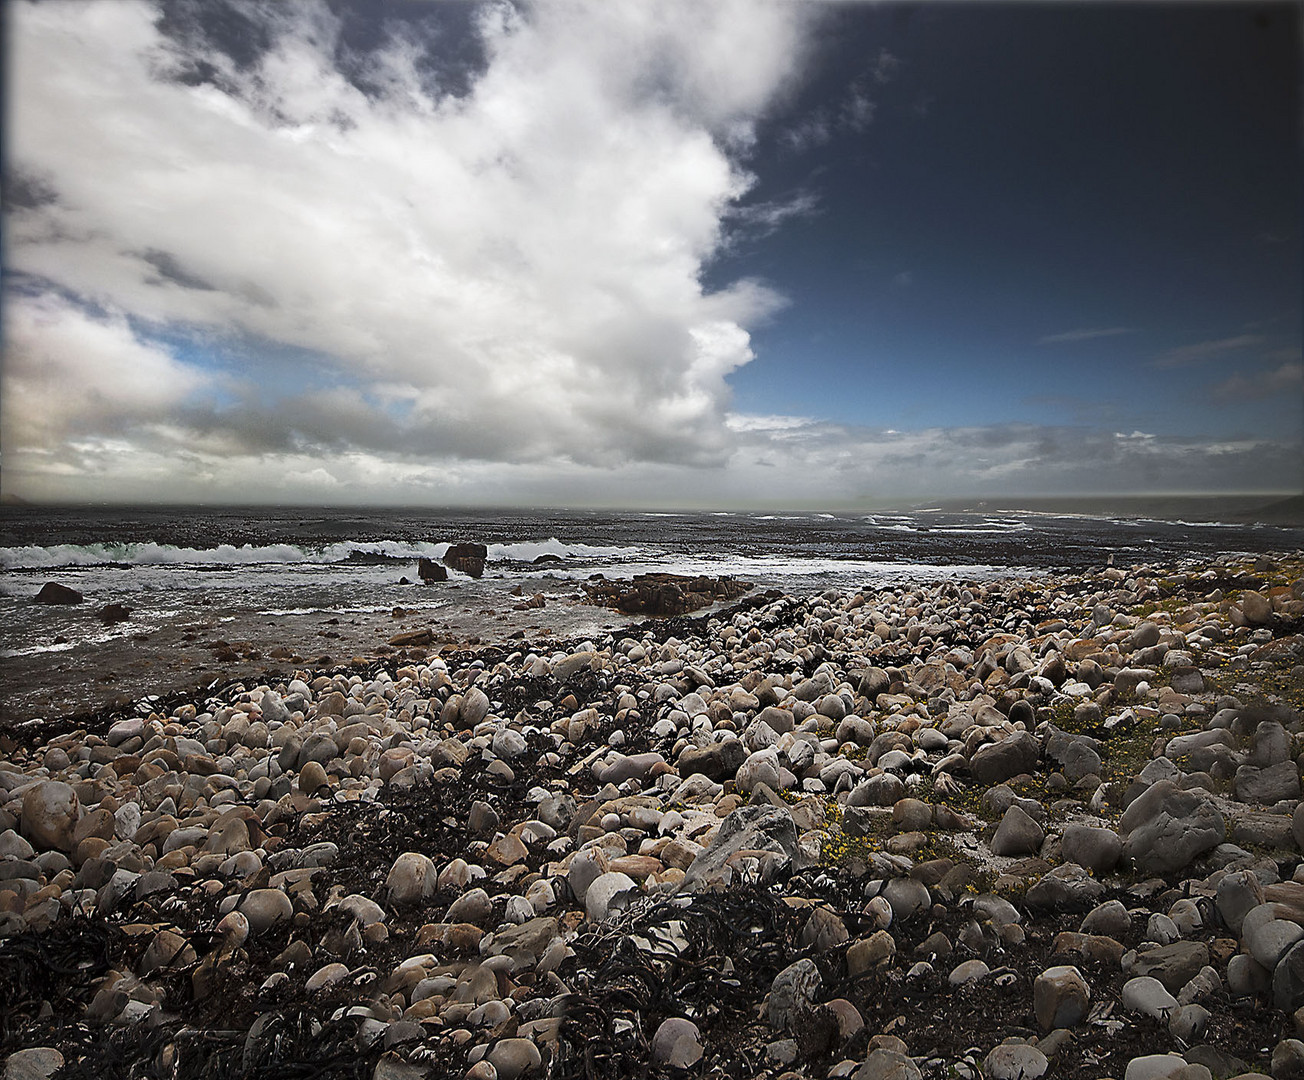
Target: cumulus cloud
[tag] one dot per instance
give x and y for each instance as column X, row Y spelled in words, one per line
column 503, row 267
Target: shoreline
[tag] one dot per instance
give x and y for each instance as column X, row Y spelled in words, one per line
column 966, row 814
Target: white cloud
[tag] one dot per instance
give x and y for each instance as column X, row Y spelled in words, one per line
column 885, row 66
column 518, row 267
column 1288, row 378
column 1073, row 336
column 70, row 372
column 1201, row 351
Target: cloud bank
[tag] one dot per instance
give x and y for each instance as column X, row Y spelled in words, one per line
column 509, row 274
column 265, row 252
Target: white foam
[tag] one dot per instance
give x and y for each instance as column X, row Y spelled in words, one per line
column 529, row 550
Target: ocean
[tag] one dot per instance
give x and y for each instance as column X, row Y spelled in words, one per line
column 193, row 575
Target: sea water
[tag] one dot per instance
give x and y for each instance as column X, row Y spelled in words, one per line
column 261, row 562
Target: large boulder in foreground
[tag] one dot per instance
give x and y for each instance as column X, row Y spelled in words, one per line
column 1165, row 828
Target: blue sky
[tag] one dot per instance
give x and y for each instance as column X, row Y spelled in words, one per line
column 744, row 253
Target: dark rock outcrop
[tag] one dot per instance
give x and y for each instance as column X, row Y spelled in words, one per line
column 664, row 595
column 54, row 593
column 428, row 570
column 467, row 558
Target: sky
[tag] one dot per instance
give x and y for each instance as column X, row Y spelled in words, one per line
column 627, row 253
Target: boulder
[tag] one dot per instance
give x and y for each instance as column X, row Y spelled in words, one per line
column 1166, row 827
column 1266, row 786
column 999, row 761
column 54, row 593
column 1017, row 834
column 762, row 829
column 411, row 879
column 1097, row 849
column 662, row 595
column 793, row 993
column 50, row 813
column 466, row 558
column 428, row 570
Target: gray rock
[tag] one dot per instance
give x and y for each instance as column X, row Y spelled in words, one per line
column 795, row 991
column 1015, row 1061
column 1189, row 1023
column 906, row 897
column 515, row 1057
column 1288, row 1060
column 1173, row 965
column 609, row 895
column 1266, row 786
column 1256, row 608
column 717, row 761
column 1157, row 1067
column 1110, row 919
column 1095, row 848
column 34, row 1063
column 1268, row 940
column 1148, row 996
column 264, row 908
column 1288, row 979
column 1166, row 827
column 411, row 880
column 968, row 971
column 1017, row 834
column 999, row 761
column 1238, row 894
column 474, row 708
column 888, row 1065
column 1270, row 745
column 1246, row 977
column 677, row 1043
column 473, row 906
column 762, row 827
column 1066, row 887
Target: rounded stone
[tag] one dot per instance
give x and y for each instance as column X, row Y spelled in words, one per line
column 264, row 908
column 1094, row 848
column 312, row 777
column 609, row 895
column 1060, row 997
column 1017, row 834
column 234, row 928
column 677, row 1043
column 515, row 1057
column 34, row 1063
column 793, row 993
column 473, row 906
column 1147, row 995
column 411, row 879
column 49, row 815
column 1015, row 1061
column 969, row 971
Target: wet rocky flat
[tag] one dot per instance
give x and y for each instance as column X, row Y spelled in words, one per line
column 1033, row 827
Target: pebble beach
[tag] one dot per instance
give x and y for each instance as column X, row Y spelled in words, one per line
column 1024, row 826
